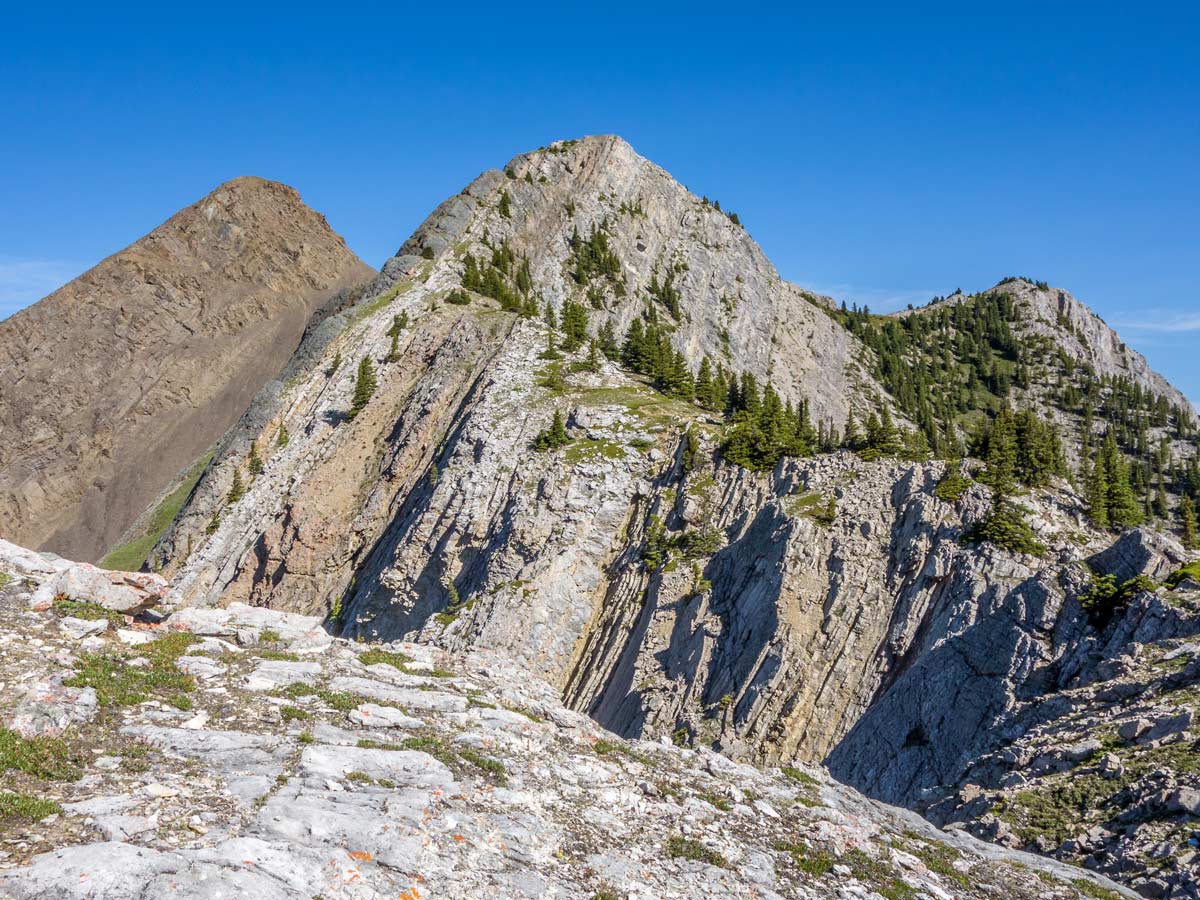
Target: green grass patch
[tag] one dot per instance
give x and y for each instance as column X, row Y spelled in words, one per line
column 445, row 753
column 814, row 505
column 484, row 763
column 130, row 556
column 679, row 847
column 879, row 874
column 395, row 660
column 47, row 758
column 84, row 609
column 939, row 859
column 800, row 776
column 604, row 747
column 716, row 800
column 26, row 808
column 1091, row 889
column 649, row 406
column 809, row 860
column 118, row 683
column 1191, row 570
column 294, row 714
column 279, row 655
column 586, row 449
column 342, row 701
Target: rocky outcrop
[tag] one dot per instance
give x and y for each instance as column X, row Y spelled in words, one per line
column 1078, row 333
column 1140, row 551
column 118, row 382
column 260, row 764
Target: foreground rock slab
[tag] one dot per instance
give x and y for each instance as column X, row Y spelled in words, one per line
column 346, row 770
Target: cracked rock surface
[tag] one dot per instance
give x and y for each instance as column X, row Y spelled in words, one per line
column 293, row 768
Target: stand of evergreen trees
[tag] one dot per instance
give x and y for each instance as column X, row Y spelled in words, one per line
column 505, row 277
column 591, row 257
column 944, row 361
column 1018, row 448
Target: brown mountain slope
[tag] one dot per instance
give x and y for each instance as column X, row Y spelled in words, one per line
column 119, row 380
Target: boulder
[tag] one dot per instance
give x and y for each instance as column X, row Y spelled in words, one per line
column 124, row 592
column 1140, row 551
column 49, row 708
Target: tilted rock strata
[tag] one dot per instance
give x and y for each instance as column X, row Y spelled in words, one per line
column 118, row 381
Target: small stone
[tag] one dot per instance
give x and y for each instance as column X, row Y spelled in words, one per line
column 78, row 629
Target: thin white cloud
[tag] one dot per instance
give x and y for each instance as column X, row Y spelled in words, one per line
column 25, row 281
column 1162, row 322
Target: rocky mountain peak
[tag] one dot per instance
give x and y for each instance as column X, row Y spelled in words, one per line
column 118, row 382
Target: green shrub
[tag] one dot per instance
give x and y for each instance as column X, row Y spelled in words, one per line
column 952, row 486
column 1005, row 526
column 1103, row 596
column 685, row 848
column 808, row 860
column 26, row 808
column 375, row 656
column 49, row 759
column 119, row 683
column 294, row 714
column 1191, row 570
column 554, row 437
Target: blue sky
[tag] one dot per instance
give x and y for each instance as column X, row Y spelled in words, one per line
column 876, row 155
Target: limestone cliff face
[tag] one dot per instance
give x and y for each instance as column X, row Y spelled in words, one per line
column 118, row 381
column 492, row 403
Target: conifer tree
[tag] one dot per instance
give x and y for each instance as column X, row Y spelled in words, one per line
column 888, row 440
column 1096, row 492
column 364, row 387
column 254, row 465
column 608, row 341
column 393, row 354
column 708, row 391
column 593, row 358
column 282, row 437
column 574, row 325
column 505, row 208
column 553, row 437
column 237, row 490
column 852, row 439
column 633, row 349
column 1187, row 523
column 551, row 351
column 1123, row 508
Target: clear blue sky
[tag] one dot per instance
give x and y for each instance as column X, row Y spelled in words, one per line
column 879, row 156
